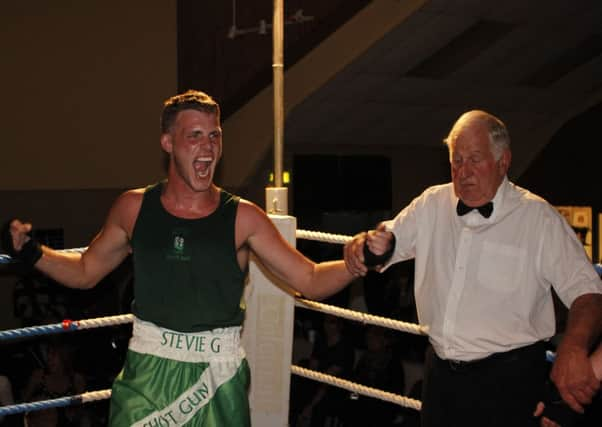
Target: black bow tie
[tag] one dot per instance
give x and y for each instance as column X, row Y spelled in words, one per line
column 485, row 210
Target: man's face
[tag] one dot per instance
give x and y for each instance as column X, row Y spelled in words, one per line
column 476, row 174
column 195, row 146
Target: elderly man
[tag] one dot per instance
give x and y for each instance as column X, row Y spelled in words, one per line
column 487, row 255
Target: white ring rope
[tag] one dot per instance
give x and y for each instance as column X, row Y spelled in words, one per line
column 357, row 388
column 322, row 237
column 300, row 234
column 105, row 321
column 365, row 318
column 92, row 396
column 80, row 250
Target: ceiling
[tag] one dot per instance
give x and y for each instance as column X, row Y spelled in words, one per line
column 536, row 64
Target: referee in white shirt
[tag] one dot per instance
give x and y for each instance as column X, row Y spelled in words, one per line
column 487, row 254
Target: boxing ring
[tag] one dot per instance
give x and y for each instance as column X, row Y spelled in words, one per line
column 267, row 338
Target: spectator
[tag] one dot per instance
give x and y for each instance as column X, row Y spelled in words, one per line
column 334, row 355
column 56, row 379
column 6, row 394
column 377, row 367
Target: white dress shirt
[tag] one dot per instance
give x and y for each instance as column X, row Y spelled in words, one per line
column 483, row 285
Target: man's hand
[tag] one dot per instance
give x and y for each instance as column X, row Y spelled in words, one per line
column 574, row 377
column 544, row 422
column 354, row 255
column 379, row 247
column 378, row 241
column 19, row 244
column 553, row 410
column 15, row 235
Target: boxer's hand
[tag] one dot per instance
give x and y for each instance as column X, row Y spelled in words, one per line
column 379, row 247
column 17, row 242
column 354, row 255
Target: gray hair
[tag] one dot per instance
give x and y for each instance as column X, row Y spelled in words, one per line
column 499, row 138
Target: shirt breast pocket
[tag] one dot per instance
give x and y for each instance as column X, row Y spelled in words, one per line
column 501, row 266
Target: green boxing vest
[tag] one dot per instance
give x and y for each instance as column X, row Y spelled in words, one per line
column 186, row 275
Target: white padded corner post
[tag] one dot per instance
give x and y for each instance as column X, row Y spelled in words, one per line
column 268, row 338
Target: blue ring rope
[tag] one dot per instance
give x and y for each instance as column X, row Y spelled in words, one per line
column 32, row 331
column 43, row 404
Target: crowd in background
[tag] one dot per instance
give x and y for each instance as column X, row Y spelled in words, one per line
column 377, row 357
column 52, row 366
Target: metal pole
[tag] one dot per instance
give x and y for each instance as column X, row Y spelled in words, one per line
column 278, row 70
column 277, row 196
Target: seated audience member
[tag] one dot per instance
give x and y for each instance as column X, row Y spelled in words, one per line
column 56, row 379
column 6, row 394
column 333, row 355
column 377, row 367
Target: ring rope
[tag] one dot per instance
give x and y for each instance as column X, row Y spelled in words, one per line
column 301, row 234
column 365, row 318
column 73, row 250
column 69, row 325
column 357, row 388
column 297, row 370
column 87, row 397
column 322, row 237
column 66, row 326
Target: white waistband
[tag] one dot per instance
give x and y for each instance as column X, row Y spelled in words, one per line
column 206, row 346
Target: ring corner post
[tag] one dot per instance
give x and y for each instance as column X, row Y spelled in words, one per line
column 268, row 338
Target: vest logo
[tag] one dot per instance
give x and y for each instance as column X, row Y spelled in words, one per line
column 177, row 249
column 178, row 244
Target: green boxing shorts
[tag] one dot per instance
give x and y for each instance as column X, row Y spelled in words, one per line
column 172, row 378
